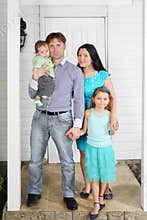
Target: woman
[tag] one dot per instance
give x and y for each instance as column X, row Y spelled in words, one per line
column 95, row 75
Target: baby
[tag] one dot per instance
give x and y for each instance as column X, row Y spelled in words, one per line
column 46, row 84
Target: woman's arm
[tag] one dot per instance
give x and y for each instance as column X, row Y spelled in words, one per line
column 114, row 121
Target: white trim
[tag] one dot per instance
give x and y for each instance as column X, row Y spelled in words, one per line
column 76, row 2
column 55, row 11
column 83, row 11
column 144, row 150
column 13, row 106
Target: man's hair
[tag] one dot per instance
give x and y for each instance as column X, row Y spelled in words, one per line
column 57, row 35
column 39, row 44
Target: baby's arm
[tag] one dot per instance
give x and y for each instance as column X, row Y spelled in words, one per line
column 84, row 129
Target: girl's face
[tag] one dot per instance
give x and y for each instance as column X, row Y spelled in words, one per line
column 43, row 51
column 84, row 58
column 101, row 100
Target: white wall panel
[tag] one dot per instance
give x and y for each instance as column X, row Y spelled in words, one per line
column 3, row 80
column 125, row 64
column 31, row 16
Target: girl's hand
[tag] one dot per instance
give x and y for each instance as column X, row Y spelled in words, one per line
column 82, row 132
column 73, row 133
column 70, row 136
column 38, row 72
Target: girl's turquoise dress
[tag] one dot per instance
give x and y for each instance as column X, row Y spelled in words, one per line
column 99, row 154
column 90, row 84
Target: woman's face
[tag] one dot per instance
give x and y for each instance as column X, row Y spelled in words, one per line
column 84, row 58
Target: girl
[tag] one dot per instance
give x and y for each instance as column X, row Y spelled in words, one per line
column 95, row 75
column 99, row 154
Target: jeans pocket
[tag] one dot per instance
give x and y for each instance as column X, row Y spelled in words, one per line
column 66, row 117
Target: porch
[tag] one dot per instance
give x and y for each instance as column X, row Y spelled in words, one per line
column 11, row 83
column 124, row 206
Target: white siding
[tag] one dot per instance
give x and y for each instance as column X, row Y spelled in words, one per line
column 3, row 78
column 126, row 65
column 126, row 68
column 31, row 16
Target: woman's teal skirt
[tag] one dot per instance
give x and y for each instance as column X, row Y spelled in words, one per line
column 100, row 164
column 82, row 142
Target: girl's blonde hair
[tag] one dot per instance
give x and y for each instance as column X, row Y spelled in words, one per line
column 106, row 90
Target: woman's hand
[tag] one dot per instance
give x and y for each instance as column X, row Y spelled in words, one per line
column 114, row 123
column 38, row 72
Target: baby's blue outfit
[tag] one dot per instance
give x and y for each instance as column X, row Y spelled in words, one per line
column 90, row 84
column 99, row 154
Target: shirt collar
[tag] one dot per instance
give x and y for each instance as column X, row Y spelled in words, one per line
column 63, row 62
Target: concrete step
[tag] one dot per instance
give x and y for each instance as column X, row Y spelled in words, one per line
column 125, row 204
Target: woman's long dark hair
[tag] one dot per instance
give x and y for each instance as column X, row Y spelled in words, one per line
column 96, row 61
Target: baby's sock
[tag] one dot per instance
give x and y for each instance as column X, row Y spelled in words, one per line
column 44, row 97
column 38, row 103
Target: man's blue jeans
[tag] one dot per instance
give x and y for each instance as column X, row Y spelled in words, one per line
column 44, row 126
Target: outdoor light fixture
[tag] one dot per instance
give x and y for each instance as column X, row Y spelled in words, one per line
column 22, row 33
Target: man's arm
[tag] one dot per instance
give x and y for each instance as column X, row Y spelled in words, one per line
column 74, row 132
column 33, row 87
column 78, row 98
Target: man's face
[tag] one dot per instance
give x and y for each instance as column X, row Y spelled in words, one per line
column 56, row 49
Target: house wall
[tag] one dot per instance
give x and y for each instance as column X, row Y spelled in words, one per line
column 3, row 80
column 125, row 65
column 30, row 14
column 125, row 54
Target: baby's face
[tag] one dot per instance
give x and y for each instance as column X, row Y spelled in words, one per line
column 43, row 51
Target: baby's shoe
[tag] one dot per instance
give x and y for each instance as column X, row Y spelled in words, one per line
column 38, row 103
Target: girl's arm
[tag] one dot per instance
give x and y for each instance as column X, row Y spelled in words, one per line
column 114, row 124
column 84, row 129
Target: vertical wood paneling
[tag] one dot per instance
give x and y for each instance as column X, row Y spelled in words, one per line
column 31, row 16
column 126, row 66
column 3, row 80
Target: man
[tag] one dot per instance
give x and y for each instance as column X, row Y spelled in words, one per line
column 54, row 119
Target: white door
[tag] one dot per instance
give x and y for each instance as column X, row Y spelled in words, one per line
column 78, row 30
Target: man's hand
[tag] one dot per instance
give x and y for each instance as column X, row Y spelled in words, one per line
column 74, row 133
column 38, row 72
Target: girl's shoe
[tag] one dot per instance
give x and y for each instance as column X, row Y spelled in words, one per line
column 94, row 216
column 102, row 205
column 108, row 196
column 85, row 195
